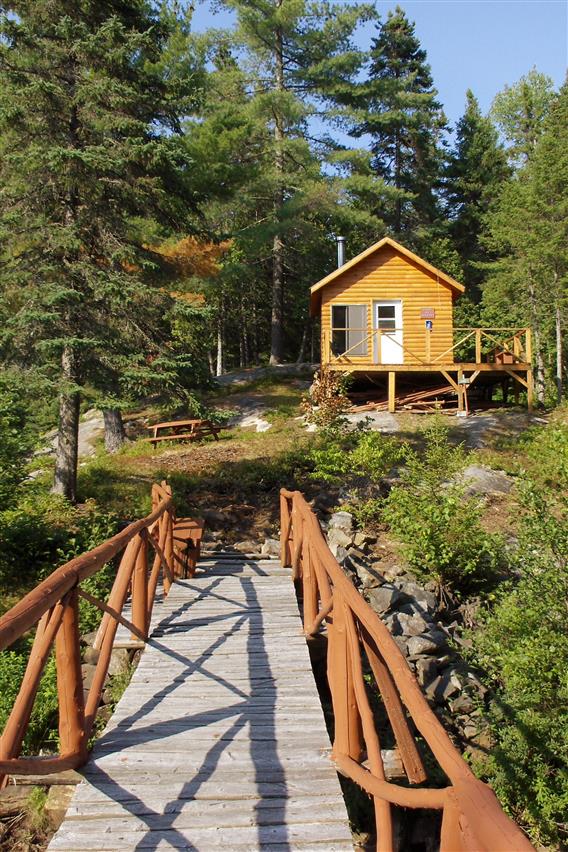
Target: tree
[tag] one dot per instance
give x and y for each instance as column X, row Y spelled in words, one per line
column 520, row 111
column 90, row 132
column 397, row 107
column 528, row 231
column 476, row 169
column 300, row 55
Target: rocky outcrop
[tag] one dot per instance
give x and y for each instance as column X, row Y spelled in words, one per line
column 411, row 612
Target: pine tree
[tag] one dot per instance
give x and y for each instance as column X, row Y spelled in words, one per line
column 398, row 108
column 476, row 169
column 303, row 59
column 89, row 125
column 520, row 112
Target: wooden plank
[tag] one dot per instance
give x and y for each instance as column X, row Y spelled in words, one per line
column 219, row 741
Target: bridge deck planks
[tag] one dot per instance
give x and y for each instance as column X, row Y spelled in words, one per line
column 219, row 740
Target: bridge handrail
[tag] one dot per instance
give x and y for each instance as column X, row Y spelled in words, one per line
column 53, row 605
column 472, row 818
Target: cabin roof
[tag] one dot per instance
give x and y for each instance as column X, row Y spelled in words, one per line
column 315, row 297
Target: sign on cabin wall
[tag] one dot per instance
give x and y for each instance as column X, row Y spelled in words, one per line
column 428, row 313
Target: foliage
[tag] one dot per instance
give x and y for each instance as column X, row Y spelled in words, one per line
column 326, row 400
column 439, row 527
column 523, row 647
column 520, row 112
column 15, row 438
column 42, row 731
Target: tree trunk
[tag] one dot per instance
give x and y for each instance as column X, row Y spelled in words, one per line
column 539, row 373
column 66, row 453
column 277, row 319
column 220, row 354
column 304, row 343
column 559, row 365
column 115, row 436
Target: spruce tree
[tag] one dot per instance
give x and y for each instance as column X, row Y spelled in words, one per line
column 397, row 107
column 89, row 124
column 520, row 112
column 476, row 169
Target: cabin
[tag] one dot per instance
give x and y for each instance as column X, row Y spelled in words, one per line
column 389, row 313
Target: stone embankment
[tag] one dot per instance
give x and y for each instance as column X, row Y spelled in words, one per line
column 414, row 617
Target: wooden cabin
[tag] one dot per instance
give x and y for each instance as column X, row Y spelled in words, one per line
column 388, row 311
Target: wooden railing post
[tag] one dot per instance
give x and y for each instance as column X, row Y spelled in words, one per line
column 285, row 520
column 140, row 589
column 69, row 680
column 309, row 586
column 478, row 346
column 348, row 736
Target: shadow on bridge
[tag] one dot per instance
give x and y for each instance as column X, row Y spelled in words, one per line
column 249, row 706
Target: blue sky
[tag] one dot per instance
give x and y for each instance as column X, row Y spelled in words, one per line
column 477, row 44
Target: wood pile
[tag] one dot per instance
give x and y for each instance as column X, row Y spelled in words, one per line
column 441, row 398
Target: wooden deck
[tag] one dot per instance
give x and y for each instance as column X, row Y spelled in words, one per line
column 219, row 741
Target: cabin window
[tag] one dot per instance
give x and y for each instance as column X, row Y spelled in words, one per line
column 349, row 329
column 386, row 319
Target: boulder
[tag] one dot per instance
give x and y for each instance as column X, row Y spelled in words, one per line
column 426, row 670
column 480, row 480
column 119, row 661
column 428, row 600
column 427, row 644
column 271, row 547
column 441, row 689
column 337, row 537
column 342, row 520
column 383, row 598
column 88, row 638
column 248, row 546
column 409, row 625
column 464, row 703
column 91, row 656
column 87, row 675
column 369, row 577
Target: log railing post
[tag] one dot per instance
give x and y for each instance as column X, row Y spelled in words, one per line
column 69, row 680
column 478, row 346
column 140, row 588
column 285, row 519
column 309, row 587
column 348, row 736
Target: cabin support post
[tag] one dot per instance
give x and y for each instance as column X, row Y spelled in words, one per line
column 392, row 391
column 461, row 390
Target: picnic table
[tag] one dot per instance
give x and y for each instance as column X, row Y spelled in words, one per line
column 183, row 430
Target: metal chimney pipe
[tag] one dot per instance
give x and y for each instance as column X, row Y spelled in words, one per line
column 340, row 251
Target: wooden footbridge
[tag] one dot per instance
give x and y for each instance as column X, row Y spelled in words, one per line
column 219, row 741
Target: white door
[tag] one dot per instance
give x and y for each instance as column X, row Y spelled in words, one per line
column 388, row 336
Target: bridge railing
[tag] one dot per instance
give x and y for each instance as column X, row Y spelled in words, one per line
column 472, row 818
column 52, row 608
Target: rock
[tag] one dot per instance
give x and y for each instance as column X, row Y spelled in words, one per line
column 392, row 571
column 88, row 638
column 464, row 703
column 57, row 802
column 377, row 421
column 441, row 689
column 341, row 555
column 107, row 697
column 271, row 547
column 87, row 675
column 370, row 578
column 104, row 713
column 212, row 516
column 336, row 537
column 392, row 762
column 383, row 598
column 410, row 625
column 480, row 480
column 427, row 599
column 91, row 656
column 342, row 520
column 401, row 642
column 361, row 540
column 427, row 644
column 119, row 661
column 426, row 670
column 248, row 546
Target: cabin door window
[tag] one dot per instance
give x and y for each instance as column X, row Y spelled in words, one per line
column 388, row 332
column 349, row 331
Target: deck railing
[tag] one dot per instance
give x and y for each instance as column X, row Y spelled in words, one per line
column 508, row 346
column 472, row 818
column 53, row 609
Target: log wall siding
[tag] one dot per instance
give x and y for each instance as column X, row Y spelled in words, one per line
column 388, row 275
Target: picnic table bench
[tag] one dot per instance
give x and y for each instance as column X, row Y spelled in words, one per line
column 183, row 430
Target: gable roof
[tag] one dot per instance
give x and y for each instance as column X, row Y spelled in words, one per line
column 315, row 300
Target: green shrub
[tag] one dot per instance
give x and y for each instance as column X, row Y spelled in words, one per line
column 523, row 647
column 42, row 730
column 375, row 455
column 15, row 439
column 439, row 527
